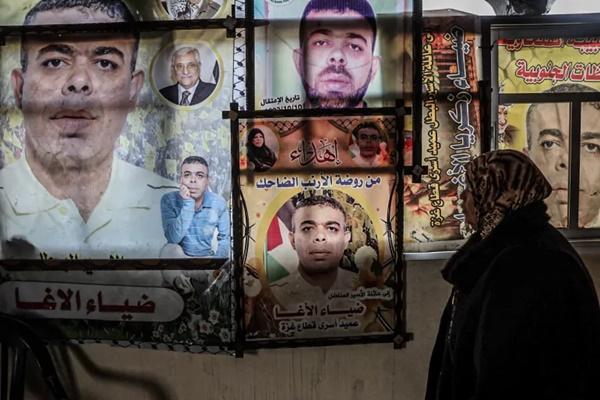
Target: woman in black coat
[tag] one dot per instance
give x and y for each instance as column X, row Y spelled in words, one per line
column 258, row 152
column 523, row 320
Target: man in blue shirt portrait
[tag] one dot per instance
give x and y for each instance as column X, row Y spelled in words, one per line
column 192, row 215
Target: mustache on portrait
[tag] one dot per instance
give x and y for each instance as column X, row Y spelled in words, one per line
column 336, row 69
column 78, row 104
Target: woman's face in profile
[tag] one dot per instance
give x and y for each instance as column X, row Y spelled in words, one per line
column 258, row 140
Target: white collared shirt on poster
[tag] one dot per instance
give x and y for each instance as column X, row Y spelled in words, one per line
column 125, row 223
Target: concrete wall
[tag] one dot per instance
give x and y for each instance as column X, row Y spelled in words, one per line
column 377, row 371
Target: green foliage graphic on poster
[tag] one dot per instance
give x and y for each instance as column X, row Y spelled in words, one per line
column 91, row 144
column 114, row 155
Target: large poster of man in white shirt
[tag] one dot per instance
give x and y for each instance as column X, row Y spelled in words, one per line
column 90, row 146
column 103, row 183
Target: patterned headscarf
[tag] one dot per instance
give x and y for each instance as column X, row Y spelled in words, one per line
column 502, row 181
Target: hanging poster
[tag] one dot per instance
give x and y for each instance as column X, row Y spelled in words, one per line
column 543, row 132
column 554, row 66
column 330, row 54
column 320, row 205
column 115, row 188
column 185, row 310
column 95, row 132
column 538, row 65
column 450, row 133
column 142, row 10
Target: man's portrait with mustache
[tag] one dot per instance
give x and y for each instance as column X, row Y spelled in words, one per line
column 335, row 59
column 68, row 195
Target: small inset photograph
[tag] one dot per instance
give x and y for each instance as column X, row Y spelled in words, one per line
column 192, row 9
column 262, row 148
column 370, row 145
column 186, row 74
column 195, row 220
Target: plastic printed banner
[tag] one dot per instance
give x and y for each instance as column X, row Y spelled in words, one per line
column 186, row 310
column 92, row 146
column 114, row 161
column 320, row 204
column 552, row 66
column 331, row 54
column 450, row 132
column 539, row 65
column 515, row 7
column 543, row 131
column 142, row 10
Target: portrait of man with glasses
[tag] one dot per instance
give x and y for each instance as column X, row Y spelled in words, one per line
column 189, row 89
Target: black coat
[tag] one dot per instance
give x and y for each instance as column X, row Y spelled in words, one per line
column 203, row 90
column 525, row 323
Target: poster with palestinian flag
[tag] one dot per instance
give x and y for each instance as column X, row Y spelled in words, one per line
column 321, row 212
